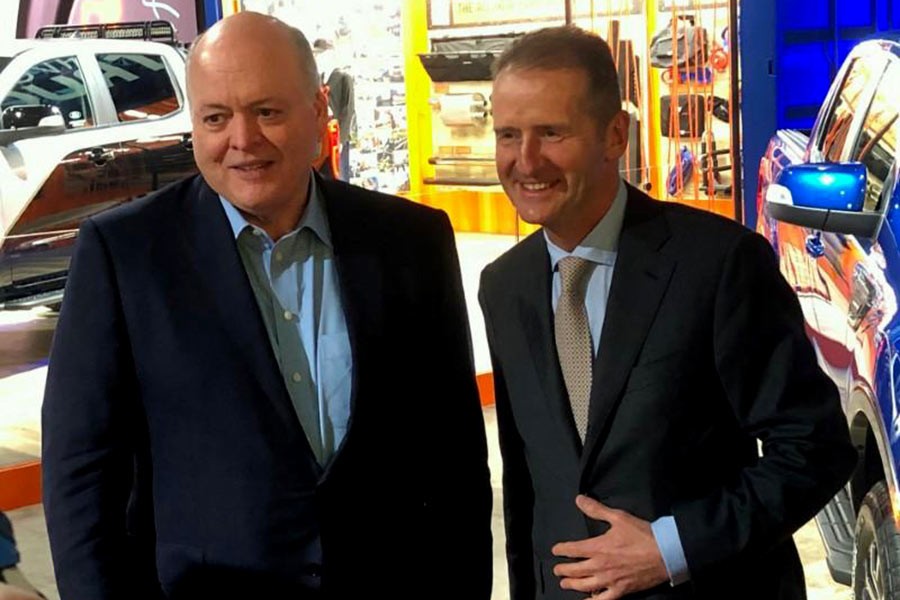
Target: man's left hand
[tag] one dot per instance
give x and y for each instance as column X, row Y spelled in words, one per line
column 622, row 561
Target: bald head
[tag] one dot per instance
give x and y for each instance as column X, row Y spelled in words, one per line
column 258, row 113
column 255, row 33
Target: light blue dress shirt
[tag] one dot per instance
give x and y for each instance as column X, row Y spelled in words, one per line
column 9, row 556
column 296, row 286
column 600, row 246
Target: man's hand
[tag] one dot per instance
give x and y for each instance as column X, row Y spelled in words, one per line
column 622, row 561
column 10, row 592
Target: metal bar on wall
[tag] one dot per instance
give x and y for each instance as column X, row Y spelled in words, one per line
column 568, row 12
column 737, row 185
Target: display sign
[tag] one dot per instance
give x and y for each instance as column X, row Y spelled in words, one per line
column 607, row 8
column 692, row 4
column 466, row 13
column 439, row 13
column 183, row 14
column 481, row 12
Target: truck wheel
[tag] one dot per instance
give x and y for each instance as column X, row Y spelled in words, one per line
column 876, row 555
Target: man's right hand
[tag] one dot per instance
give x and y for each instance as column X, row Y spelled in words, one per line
column 11, row 592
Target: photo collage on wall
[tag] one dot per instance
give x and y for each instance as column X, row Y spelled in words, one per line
column 365, row 43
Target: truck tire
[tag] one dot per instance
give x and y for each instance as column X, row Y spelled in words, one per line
column 876, row 553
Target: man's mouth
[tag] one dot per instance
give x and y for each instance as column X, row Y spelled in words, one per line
column 251, row 167
column 536, row 186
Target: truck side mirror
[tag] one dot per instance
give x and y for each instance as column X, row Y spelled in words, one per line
column 31, row 115
column 824, row 197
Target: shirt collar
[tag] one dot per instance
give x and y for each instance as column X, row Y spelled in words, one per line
column 602, row 242
column 313, row 216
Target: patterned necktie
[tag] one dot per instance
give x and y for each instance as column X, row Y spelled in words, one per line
column 573, row 337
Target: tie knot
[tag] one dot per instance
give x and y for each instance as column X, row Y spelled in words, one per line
column 572, row 271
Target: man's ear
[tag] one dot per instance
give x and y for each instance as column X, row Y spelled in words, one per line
column 616, row 135
column 320, row 104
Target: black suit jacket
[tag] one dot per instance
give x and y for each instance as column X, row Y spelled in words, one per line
column 174, row 463
column 702, row 353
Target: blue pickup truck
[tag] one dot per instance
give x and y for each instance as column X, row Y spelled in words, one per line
column 829, row 204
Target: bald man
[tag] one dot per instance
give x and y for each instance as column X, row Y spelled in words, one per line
column 261, row 382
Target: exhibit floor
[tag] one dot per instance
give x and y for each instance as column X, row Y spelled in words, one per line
column 25, row 338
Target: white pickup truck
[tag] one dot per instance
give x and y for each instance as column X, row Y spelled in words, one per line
column 85, row 124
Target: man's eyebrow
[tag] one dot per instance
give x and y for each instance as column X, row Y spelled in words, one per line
column 253, row 104
column 266, row 100
column 539, row 127
column 213, row 106
column 557, row 126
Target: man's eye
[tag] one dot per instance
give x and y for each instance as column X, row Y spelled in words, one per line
column 266, row 112
column 552, row 135
column 505, row 136
column 213, row 119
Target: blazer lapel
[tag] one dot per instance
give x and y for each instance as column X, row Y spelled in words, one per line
column 640, row 279
column 221, row 274
column 536, row 315
column 361, row 278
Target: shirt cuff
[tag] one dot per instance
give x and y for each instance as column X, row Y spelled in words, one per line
column 9, row 557
column 669, row 542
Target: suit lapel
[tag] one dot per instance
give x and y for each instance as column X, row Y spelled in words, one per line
column 221, row 274
column 640, row 279
column 361, row 277
column 536, row 315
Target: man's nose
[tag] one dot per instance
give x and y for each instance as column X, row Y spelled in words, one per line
column 244, row 132
column 529, row 155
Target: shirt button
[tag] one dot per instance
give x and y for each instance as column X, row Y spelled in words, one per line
column 288, row 315
column 296, row 377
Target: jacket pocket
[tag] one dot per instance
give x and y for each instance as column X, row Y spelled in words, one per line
column 663, row 370
column 178, row 566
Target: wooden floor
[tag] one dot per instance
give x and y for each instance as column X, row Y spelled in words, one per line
column 25, row 340
column 31, row 531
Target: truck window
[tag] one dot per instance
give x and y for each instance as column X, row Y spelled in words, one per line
column 140, row 85
column 57, row 82
column 837, row 125
column 877, row 142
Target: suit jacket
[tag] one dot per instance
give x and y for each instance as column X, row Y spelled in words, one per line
column 174, row 463
column 702, row 352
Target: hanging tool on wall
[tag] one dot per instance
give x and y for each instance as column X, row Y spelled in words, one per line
column 633, row 162
column 681, row 173
column 682, row 49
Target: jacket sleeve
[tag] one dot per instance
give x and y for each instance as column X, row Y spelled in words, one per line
column 518, row 494
column 88, row 443
column 461, row 495
column 778, row 395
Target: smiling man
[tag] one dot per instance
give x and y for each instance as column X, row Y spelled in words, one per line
column 261, row 383
column 641, row 350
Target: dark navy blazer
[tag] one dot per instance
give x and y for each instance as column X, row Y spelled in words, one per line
column 174, row 463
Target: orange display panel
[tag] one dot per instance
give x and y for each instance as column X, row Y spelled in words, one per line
column 20, row 485
column 682, row 111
